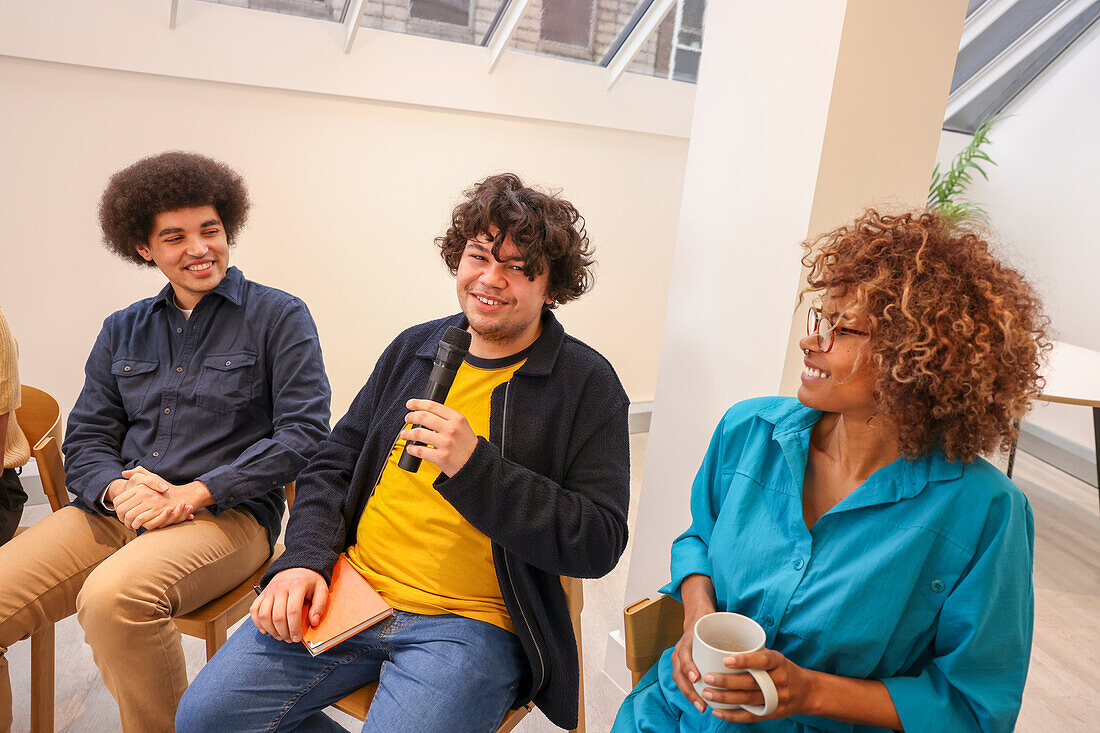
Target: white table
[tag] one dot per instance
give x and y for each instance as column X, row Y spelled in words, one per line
column 1073, row 378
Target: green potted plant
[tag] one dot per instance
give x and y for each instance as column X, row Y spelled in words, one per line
column 946, row 193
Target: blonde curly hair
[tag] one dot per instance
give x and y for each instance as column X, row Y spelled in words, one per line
column 957, row 337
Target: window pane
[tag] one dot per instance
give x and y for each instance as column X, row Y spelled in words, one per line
column 455, row 12
column 674, row 49
column 567, row 21
column 463, row 21
column 327, row 9
column 581, row 30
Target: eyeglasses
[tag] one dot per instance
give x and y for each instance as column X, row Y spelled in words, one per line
column 818, row 323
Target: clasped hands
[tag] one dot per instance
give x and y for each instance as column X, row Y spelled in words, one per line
column 143, row 500
column 449, row 440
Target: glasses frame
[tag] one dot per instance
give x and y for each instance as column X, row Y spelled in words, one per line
column 826, row 338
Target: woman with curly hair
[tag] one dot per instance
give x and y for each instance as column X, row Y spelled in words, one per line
column 888, row 563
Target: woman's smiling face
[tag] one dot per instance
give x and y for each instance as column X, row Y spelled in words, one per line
column 842, row 379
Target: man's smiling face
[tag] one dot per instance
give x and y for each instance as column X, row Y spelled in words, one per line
column 503, row 306
column 189, row 246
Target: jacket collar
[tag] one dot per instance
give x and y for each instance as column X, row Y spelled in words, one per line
column 903, row 479
column 231, row 288
column 540, row 360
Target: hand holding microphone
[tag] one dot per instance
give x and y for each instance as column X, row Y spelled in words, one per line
column 449, row 440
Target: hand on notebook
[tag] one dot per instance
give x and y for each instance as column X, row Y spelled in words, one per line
column 291, row 594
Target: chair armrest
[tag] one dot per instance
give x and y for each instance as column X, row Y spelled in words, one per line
column 650, row 627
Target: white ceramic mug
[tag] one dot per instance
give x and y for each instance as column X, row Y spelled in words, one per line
column 720, row 634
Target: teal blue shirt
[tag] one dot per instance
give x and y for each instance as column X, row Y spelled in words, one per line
column 920, row 578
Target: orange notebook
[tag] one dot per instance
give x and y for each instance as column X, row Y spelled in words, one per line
column 353, row 605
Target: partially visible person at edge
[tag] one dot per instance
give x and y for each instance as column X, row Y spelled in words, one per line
column 198, row 405
column 525, row 477
column 888, row 563
column 13, row 443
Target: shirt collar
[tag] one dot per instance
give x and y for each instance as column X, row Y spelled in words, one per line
column 231, row 288
column 903, row 479
column 541, row 355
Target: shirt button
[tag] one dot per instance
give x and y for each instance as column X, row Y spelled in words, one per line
column 274, row 483
column 167, row 410
column 232, row 498
column 179, row 369
column 938, row 586
column 769, row 621
column 179, row 330
column 229, row 363
column 798, row 564
column 126, row 368
column 156, row 453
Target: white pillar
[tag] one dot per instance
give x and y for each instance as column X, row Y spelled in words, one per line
column 806, row 111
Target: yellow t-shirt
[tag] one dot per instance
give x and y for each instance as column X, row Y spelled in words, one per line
column 417, row 551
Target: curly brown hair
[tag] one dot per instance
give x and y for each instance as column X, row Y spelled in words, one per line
column 548, row 231
column 172, row 180
column 957, row 337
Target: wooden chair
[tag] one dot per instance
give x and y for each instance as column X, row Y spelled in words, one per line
column 650, row 627
column 212, row 621
column 40, row 419
column 357, row 704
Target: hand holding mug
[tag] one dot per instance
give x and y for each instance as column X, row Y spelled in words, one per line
column 793, row 686
column 722, row 642
column 684, row 672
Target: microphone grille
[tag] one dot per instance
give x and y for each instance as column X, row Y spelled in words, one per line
column 457, row 337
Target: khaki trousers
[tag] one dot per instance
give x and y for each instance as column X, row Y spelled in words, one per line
column 125, row 588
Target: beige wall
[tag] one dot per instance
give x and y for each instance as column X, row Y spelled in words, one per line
column 880, row 153
column 347, row 194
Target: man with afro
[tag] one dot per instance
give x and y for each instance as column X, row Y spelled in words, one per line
column 199, row 404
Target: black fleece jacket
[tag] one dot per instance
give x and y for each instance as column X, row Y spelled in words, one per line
column 549, row 487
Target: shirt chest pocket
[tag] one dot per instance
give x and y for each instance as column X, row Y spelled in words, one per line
column 133, row 377
column 225, row 382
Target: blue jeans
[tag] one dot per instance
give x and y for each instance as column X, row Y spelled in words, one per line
column 435, row 673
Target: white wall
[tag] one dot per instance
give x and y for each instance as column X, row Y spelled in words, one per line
column 1042, row 198
column 348, row 194
column 266, row 49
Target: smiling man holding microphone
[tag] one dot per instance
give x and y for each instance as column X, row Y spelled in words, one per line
column 524, row 477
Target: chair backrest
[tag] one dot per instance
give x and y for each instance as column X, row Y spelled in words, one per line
column 39, row 415
column 650, row 626
column 39, row 418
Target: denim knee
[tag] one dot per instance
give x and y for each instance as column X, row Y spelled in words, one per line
column 198, row 710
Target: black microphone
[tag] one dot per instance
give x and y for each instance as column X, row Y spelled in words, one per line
column 453, row 348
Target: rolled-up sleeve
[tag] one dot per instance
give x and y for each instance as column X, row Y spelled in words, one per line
column 975, row 680
column 690, row 551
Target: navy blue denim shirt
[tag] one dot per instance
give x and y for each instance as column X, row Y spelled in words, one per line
column 236, row 397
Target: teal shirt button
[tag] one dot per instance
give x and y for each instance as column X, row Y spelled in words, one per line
column 769, row 621
column 798, row 564
column 937, row 586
